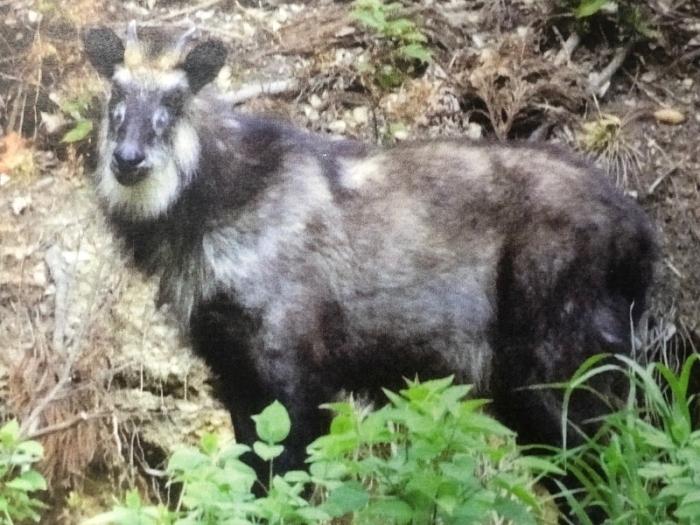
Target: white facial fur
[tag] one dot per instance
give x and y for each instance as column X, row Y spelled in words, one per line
column 170, row 166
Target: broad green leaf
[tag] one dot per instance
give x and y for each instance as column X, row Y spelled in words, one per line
column 79, row 132
column 690, row 500
column 590, row 7
column 392, row 511
column 342, row 423
column 272, row 424
column 539, row 465
column 371, row 19
column 655, row 469
column 35, row 480
column 267, row 452
column 9, row 433
column 314, row 514
column 186, row 459
column 416, row 51
column 297, row 476
column 349, row 497
column 328, row 470
column 514, row 512
column 31, row 448
column 209, row 443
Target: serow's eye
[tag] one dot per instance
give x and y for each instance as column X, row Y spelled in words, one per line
column 161, row 119
column 118, row 111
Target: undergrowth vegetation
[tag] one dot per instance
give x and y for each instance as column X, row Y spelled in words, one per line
column 432, row 456
column 643, row 465
column 402, row 45
column 19, row 482
column 429, row 456
column 629, row 16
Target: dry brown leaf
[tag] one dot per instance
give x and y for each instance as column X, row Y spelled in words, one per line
column 669, row 116
column 13, row 152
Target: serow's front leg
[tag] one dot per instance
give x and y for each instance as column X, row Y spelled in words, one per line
column 280, row 377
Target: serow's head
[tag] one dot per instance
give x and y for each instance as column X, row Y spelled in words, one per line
column 149, row 148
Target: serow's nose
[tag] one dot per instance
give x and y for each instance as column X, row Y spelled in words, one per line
column 126, row 163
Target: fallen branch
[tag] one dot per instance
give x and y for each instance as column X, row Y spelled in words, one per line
column 660, row 179
column 599, row 83
column 189, row 9
column 540, row 132
column 65, row 425
column 57, row 268
column 65, row 375
column 567, row 49
column 686, row 57
column 255, row 89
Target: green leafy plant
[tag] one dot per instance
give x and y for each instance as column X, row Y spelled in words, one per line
column 18, row 480
column 643, row 466
column 404, row 43
column 628, row 15
column 429, row 456
column 76, row 110
column 216, row 487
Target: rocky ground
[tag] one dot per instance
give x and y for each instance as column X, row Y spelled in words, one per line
column 88, row 363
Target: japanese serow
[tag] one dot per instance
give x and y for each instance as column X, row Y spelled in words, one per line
column 300, row 266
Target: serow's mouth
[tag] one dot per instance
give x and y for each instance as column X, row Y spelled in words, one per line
column 129, row 177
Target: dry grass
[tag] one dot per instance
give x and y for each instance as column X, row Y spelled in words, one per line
column 610, row 139
column 517, row 87
column 56, row 367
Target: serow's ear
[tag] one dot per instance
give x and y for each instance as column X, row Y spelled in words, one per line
column 203, row 63
column 104, row 49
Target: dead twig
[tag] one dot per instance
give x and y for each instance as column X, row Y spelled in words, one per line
column 540, row 132
column 660, row 179
column 189, row 9
column 599, row 83
column 65, row 375
column 249, row 91
column 65, row 425
column 57, row 268
column 568, row 47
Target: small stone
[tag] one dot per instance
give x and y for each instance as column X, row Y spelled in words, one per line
column 338, row 126
column 400, row 133
column 19, row 204
column 474, row 131
column 688, row 83
column 38, row 275
column 310, row 113
column 44, row 182
column 669, row 116
column 53, row 122
column 4, row 179
column 344, row 31
column 315, row 101
column 648, row 77
column 33, row 17
column 248, row 29
column 478, row 41
column 360, row 114
column 204, row 14
column 473, row 17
